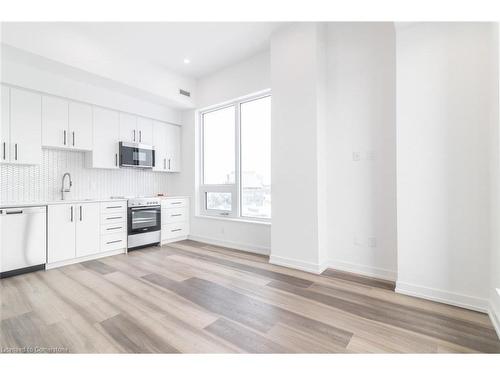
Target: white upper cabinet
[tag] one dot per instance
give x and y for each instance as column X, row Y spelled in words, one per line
column 145, row 130
column 173, row 148
column 66, row 124
column 5, row 126
column 136, row 129
column 80, row 126
column 54, row 122
column 106, row 136
column 30, row 121
column 160, row 145
column 167, row 143
column 128, row 128
column 25, row 127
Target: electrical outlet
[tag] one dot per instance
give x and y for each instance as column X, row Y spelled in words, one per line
column 356, row 156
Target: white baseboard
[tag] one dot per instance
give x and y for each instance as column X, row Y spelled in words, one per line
column 297, row 264
column 49, row 266
column 455, row 299
column 234, row 245
column 360, row 269
column 170, row 240
column 495, row 318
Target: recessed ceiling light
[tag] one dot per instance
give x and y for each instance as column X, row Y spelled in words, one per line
column 187, row 61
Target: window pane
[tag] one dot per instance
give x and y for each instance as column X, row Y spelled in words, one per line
column 218, row 201
column 256, row 158
column 218, row 146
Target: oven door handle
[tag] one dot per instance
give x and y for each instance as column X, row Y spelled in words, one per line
column 150, row 208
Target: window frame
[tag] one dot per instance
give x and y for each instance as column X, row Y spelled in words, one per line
column 235, row 189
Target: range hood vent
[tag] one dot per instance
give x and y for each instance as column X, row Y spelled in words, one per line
column 185, row 93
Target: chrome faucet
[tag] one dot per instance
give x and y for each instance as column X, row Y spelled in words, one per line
column 63, row 190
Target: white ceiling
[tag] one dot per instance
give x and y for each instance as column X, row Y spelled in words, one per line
column 210, row 46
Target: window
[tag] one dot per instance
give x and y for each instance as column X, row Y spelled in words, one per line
column 255, row 132
column 218, row 147
column 235, row 179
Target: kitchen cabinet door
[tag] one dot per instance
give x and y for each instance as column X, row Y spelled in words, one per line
column 5, row 126
column 80, row 126
column 87, row 217
column 160, row 145
column 61, row 232
column 128, row 128
column 105, row 138
column 25, row 127
column 54, row 122
column 145, row 130
column 173, row 148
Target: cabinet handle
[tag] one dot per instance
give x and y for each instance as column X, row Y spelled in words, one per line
column 168, row 164
column 175, row 230
column 107, row 243
column 73, row 138
column 134, row 134
column 15, row 153
column 71, row 213
column 80, row 213
column 13, row 212
column 4, row 151
column 114, row 207
column 164, row 163
column 140, row 135
column 113, row 228
column 176, row 203
column 116, row 160
column 114, row 217
column 64, row 138
column 174, row 215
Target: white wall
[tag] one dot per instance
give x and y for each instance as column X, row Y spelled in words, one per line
column 245, row 78
column 361, row 195
column 296, row 70
column 37, row 73
column 444, row 105
column 249, row 76
column 494, row 291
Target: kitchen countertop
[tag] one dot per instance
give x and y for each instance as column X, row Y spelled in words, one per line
column 74, row 201
column 49, row 203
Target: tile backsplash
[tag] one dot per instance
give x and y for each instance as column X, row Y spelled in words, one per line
column 21, row 184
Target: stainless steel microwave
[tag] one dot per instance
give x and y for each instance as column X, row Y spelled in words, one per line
column 137, row 155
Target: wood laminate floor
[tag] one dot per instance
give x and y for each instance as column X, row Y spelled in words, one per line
column 190, row 297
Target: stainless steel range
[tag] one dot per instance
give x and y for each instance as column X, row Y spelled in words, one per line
column 144, row 222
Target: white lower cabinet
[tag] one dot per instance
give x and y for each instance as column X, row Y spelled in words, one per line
column 73, row 231
column 82, row 231
column 113, row 226
column 87, row 229
column 61, row 230
column 174, row 219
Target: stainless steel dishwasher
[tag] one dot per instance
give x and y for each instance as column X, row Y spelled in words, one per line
column 23, row 245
